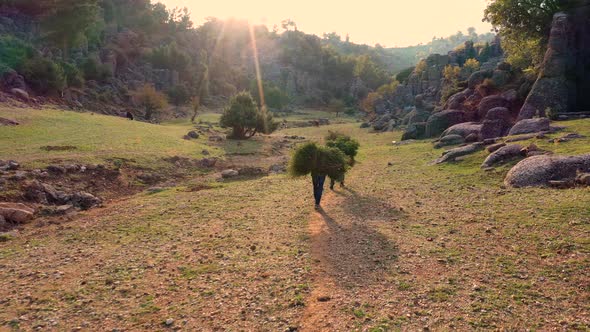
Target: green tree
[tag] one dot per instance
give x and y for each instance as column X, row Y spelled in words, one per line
column 178, row 95
column 524, row 25
column 44, row 75
column 336, row 106
column 154, row 103
column 69, row 21
column 245, row 118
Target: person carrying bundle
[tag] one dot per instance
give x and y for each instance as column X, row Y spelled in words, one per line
column 319, row 161
column 348, row 146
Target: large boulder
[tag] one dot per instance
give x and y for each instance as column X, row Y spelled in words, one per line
column 555, row 87
column 415, row 131
column 491, row 129
column 503, row 154
column 455, row 153
column 489, row 103
column 84, row 200
column 478, row 77
column 416, row 115
column 527, row 126
column 452, row 139
column 16, row 212
column 540, row 170
column 438, row 122
column 463, row 129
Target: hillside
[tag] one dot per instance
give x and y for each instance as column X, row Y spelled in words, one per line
column 113, row 48
column 404, row 245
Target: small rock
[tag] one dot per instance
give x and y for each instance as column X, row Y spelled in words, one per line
column 169, row 322
column 205, row 152
column 324, row 298
column 55, row 169
column 16, row 212
column 229, row 173
column 193, row 134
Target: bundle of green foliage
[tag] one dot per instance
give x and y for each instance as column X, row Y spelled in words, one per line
column 44, row 75
column 245, row 118
column 348, row 145
column 318, row 160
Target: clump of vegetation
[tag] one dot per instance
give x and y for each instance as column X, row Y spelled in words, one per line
column 245, row 118
column 94, row 70
column 348, row 145
column 44, row 75
column 153, row 102
column 318, row 160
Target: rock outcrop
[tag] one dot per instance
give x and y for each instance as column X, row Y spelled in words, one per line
column 540, row 170
column 563, row 82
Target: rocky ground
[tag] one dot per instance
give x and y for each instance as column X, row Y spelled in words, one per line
column 406, row 245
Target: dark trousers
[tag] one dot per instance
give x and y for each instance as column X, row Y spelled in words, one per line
column 318, row 187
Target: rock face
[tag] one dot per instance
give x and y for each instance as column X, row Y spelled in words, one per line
column 528, row 126
column 438, row 122
column 540, row 170
column 563, row 82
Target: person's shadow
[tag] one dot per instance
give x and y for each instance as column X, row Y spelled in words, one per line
column 356, row 253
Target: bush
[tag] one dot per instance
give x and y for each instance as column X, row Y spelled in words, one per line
column 344, row 143
column 179, row 95
column 153, row 102
column 318, row 160
column 403, row 75
column 14, row 53
column 44, row 75
column 95, row 71
column 73, row 75
column 245, row 118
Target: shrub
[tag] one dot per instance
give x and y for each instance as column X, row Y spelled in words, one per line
column 245, row 118
column 344, row 143
column 73, row 75
column 318, row 160
column 94, row 70
column 153, row 102
column 44, row 75
column 403, row 75
column 178, row 95
column 14, row 52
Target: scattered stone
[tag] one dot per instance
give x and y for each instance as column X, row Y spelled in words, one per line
column 252, row 171
column 503, row 154
column 452, row 139
column 365, row 125
column 205, row 152
column 539, row 170
column 561, row 184
column 16, row 212
column 229, row 173
column 278, row 168
column 525, row 137
column 10, row 165
column 55, row 169
column 19, row 176
column 215, row 138
column 324, row 298
column 20, row 94
column 60, row 210
column 8, row 122
column 207, row 162
column 495, row 147
column 193, row 134
column 169, row 322
column 84, row 200
column 452, row 154
column 527, row 126
column 583, row 179
column 566, row 138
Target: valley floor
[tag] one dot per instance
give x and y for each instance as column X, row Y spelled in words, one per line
column 404, row 246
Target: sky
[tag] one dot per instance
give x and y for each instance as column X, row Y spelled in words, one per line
column 391, row 23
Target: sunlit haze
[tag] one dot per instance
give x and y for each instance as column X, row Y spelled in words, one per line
column 387, row 22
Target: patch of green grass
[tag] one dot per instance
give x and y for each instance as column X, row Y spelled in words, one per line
column 97, row 138
column 441, row 293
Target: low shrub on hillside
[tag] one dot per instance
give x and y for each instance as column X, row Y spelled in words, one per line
column 44, row 75
column 95, row 71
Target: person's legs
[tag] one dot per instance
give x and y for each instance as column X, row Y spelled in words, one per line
column 332, row 183
column 318, row 188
